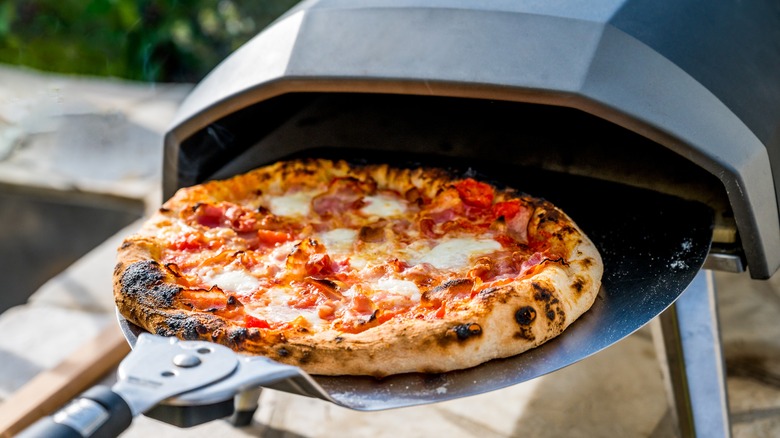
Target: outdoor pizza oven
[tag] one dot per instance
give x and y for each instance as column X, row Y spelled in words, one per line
column 674, row 97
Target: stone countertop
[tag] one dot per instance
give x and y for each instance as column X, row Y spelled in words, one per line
column 47, row 121
column 83, row 134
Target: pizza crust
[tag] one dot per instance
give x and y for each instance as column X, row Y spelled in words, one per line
column 496, row 323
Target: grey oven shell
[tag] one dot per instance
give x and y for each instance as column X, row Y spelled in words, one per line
column 639, row 65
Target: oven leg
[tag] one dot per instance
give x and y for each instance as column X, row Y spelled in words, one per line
column 245, row 403
column 687, row 339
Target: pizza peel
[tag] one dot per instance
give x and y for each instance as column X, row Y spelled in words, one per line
column 652, row 244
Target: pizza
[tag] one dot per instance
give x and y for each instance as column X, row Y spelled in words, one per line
column 345, row 269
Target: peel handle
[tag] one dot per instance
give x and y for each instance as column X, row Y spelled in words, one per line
column 98, row 412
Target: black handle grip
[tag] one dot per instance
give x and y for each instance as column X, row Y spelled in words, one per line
column 99, row 413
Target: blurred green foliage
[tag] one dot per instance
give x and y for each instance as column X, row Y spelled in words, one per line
column 148, row 40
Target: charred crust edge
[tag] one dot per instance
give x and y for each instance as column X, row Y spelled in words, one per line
column 543, row 293
column 467, row 330
column 145, row 281
column 578, row 284
column 525, row 315
column 546, row 294
column 182, row 326
column 237, row 335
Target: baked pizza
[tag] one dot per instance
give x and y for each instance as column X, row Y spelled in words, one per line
column 358, row 270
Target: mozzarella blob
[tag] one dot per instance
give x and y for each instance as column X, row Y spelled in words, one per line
column 291, row 205
column 383, row 205
column 275, row 308
column 456, row 253
column 233, row 279
column 338, row 241
column 404, row 288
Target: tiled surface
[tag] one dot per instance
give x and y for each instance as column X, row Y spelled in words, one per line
column 618, row 392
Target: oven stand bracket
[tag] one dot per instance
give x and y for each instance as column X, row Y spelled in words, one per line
column 688, row 344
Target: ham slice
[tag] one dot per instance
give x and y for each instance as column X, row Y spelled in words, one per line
column 343, row 194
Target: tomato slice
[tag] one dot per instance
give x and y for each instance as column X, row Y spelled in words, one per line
column 475, row 193
column 252, row 322
column 507, row 209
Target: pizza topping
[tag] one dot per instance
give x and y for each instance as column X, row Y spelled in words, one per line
column 224, row 215
column 475, row 193
column 456, row 253
column 343, row 194
column 274, row 305
column 232, row 279
column 385, row 204
column 506, row 209
column 296, row 204
column 466, row 206
column 189, row 242
column 397, row 291
column 358, row 313
column 534, row 260
column 361, row 305
column 208, row 215
column 339, row 240
column 445, row 207
column 252, row 322
column 239, row 219
column 272, row 238
column 373, row 233
column 517, row 225
column 297, row 260
column 207, row 300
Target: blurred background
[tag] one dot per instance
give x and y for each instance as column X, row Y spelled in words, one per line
column 87, row 89
column 146, row 40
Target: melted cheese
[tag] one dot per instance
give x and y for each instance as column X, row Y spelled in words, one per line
column 456, row 253
column 169, row 230
column 232, row 279
column 279, row 254
column 404, row 288
column 383, row 206
column 274, row 263
column 294, row 204
column 276, row 309
column 338, row 241
column 358, row 261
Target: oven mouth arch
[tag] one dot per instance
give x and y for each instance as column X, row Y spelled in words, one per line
column 528, row 135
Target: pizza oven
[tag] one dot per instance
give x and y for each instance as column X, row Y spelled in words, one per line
column 611, row 101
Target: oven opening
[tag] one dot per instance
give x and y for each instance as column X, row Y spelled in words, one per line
column 445, row 131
